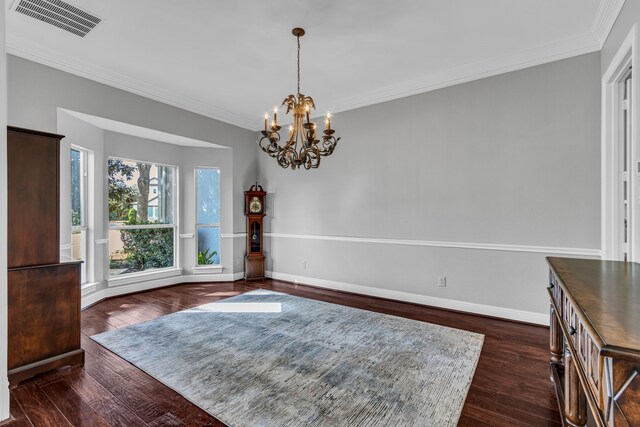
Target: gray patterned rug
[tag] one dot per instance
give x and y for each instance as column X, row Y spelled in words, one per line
column 269, row 359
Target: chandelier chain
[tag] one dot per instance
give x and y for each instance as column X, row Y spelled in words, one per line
column 298, row 37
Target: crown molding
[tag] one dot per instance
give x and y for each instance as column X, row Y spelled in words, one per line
column 18, row 47
column 567, row 48
column 562, row 49
column 606, row 16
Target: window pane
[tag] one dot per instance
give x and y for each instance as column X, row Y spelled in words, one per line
column 78, row 238
column 208, row 245
column 76, row 189
column 76, row 245
column 132, row 251
column 140, row 193
column 208, row 196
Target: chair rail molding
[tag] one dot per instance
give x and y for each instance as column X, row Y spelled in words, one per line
column 233, row 236
column 445, row 244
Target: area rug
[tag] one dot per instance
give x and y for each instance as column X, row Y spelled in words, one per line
column 265, row 358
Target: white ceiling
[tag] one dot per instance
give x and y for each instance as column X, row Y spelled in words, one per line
column 234, row 60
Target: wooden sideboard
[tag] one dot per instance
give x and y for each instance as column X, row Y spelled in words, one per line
column 43, row 293
column 595, row 340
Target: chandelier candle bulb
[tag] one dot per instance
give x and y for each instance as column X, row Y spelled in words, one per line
column 275, row 115
column 266, row 121
column 328, row 121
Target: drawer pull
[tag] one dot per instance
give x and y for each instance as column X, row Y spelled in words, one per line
column 572, row 330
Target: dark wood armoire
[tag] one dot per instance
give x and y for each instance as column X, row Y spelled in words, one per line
column 43, row 292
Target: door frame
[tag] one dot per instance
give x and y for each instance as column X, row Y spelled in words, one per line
column 627, row 55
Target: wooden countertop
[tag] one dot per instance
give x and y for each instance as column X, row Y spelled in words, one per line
column 608, row 294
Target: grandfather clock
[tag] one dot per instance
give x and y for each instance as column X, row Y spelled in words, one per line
column 254, row 210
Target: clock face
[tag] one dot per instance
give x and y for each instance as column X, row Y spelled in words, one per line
column 255, row 206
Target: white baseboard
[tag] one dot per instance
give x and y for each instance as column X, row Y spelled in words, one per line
column 95, row 297
column 487, row 310
column 4, row 396
column 227, row 277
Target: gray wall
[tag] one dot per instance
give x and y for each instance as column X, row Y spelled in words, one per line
column 36, row 91
column 629, row 15
column 508, row 160
column 90, row 138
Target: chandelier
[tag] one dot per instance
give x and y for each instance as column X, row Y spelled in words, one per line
column 303, row 148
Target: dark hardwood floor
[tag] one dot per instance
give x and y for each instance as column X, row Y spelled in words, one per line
column 511, row 385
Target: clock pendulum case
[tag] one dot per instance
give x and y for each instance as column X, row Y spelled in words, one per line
column 254, row 210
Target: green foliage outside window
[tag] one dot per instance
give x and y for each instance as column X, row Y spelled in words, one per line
column 143, row 248
column 206, row 257
column 147, row 247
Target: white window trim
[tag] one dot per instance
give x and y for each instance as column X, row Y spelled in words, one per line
column 208, row 269
column 158, row 273
column 83, row 229
column 626, row 55
column 212, row 268
column 143, row 276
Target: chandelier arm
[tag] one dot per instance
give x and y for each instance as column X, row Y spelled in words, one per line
column 269, row 143
column 329, row 144
column 312, row 159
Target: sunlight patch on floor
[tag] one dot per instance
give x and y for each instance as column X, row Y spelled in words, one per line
column 223, row 294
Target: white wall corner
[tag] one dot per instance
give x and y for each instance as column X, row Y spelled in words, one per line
column 486, row 310
column 4, row 383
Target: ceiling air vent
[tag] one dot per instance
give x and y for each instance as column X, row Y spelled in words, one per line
column 58, row 13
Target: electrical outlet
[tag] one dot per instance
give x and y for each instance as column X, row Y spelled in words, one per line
column 442, row 281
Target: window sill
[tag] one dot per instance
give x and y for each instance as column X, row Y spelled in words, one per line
column 143, row 277
column 207, row 269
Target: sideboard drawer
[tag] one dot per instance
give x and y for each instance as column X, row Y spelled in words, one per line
column 592, row 362
column 595, row 367
column 583, row 344
column 570, row 320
